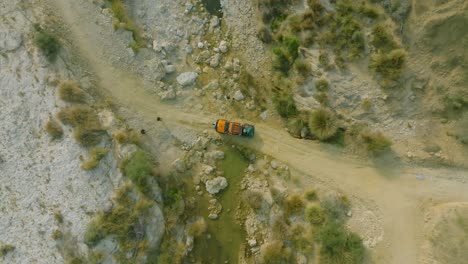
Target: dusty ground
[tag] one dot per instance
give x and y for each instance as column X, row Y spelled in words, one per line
column 391, row 198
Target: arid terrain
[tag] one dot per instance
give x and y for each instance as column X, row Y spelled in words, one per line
column 108, row 154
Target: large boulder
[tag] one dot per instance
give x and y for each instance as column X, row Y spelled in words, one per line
column 215, row 185
column 187, row 78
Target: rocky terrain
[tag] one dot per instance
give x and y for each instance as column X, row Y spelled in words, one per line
column 159, row 186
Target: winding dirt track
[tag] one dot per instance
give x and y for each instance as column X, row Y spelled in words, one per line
column 394, row 190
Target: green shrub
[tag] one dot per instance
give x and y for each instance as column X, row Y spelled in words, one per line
column 276, row 253
column 295, row 126
column 127, row 136
column 366, row 104
column 84, row 120
column 293, row 204
column 281, row 61
column 76, row 260
column 315, row 5
column 303, row 68
column 58, row 217
column 47, row 43
column 461, row 132
column 119, row 11
column 286, row 106
column 323, row 58
column 264, row 35
column 336, row 207
column 96, row 156
column 314, row 214
column 57, row 234
column 388, row 65
column 54, row 129
column 139, row 169
column 375, row 142
column 125, row 222
column 292, row 44
column 70, row 91
column 340, row 246
column 368, row 11
column 311, row 195
column 323, row 124
column 322, row 85
column 196, row 228
column 381, row 39
column 5, row 249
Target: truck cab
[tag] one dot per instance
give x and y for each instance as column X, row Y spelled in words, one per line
column 224, row 126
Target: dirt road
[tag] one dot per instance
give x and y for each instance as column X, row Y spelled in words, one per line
column 393, row 187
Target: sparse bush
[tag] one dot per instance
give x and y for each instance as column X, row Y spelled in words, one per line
column 336, row 207
column 340, row 246
column 315, row 214
column 295, row 126
column 127, row 136
column 315, row 5
column 96, row 156
column 461, row 131
column 286, row 106
column 196, row 228
column 139, row 169
column 84, row 120
column 323, row 58
column 57, row 234
column 5, row 249
column 303, row 68
column 253, row 199
column 311, row 195
column 366, row 104
column 293, row 204
column 76, row 260
column 381, row 39
column 125, row 222
column 368, row 11
column 69, row 91
column 389, row 65
column 281, row 61
column 323, row 124
column 322, row 85
column 119, row 11
column 264, row 35
column 58, row 217
column 292, row 44
column 276, row 253
column 375, row 142
column 47, row 43
column 54, row 129
column 322, row 98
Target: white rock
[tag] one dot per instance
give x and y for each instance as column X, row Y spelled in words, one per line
column 216, row 50
column 214, row 62
column 170, row 68
column 213, row 85
column 264, row 115
column 179, row 165
column 274, row 164
column 9, row 40
column 215, row 185
column 188, row 7
column 213, row 216
column 252, row 242
column 208, row 169
column 238, row 96
column 223, row 46
column 200, row 45
column 187, row 78
column 251, row 168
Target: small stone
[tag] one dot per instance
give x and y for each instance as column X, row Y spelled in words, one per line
column 218, row 154
column 251, row 168
column 238, row 96
column 169, row 68
column 168, row 95
column 264, row 115
column 349, row 213
column 213, row 216
column 213, row 85
column 208, row 169
column 214, row 61
column 179, row 165
column 252, row 242
column 200, row 45
column 223, row 47
column 215, row 185
column 188, row 7
column 274, row 164
column 216, row 50
column 197, row 188
column 187, row 78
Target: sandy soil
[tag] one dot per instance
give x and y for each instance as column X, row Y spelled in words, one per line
column 387, row 187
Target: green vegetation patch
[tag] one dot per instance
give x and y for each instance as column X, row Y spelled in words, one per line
column 125, row 222
column 47, row 43
column 375, row 142
column 125, row 22
column 286, row 106
column 5, row 249
column 382, row 39
column 286, row 53
column 340, row 246
column 389, row 65
column 275, row 252
column 139, row 168
column 87, row 128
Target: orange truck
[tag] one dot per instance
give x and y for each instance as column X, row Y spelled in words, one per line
column 233, row 128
